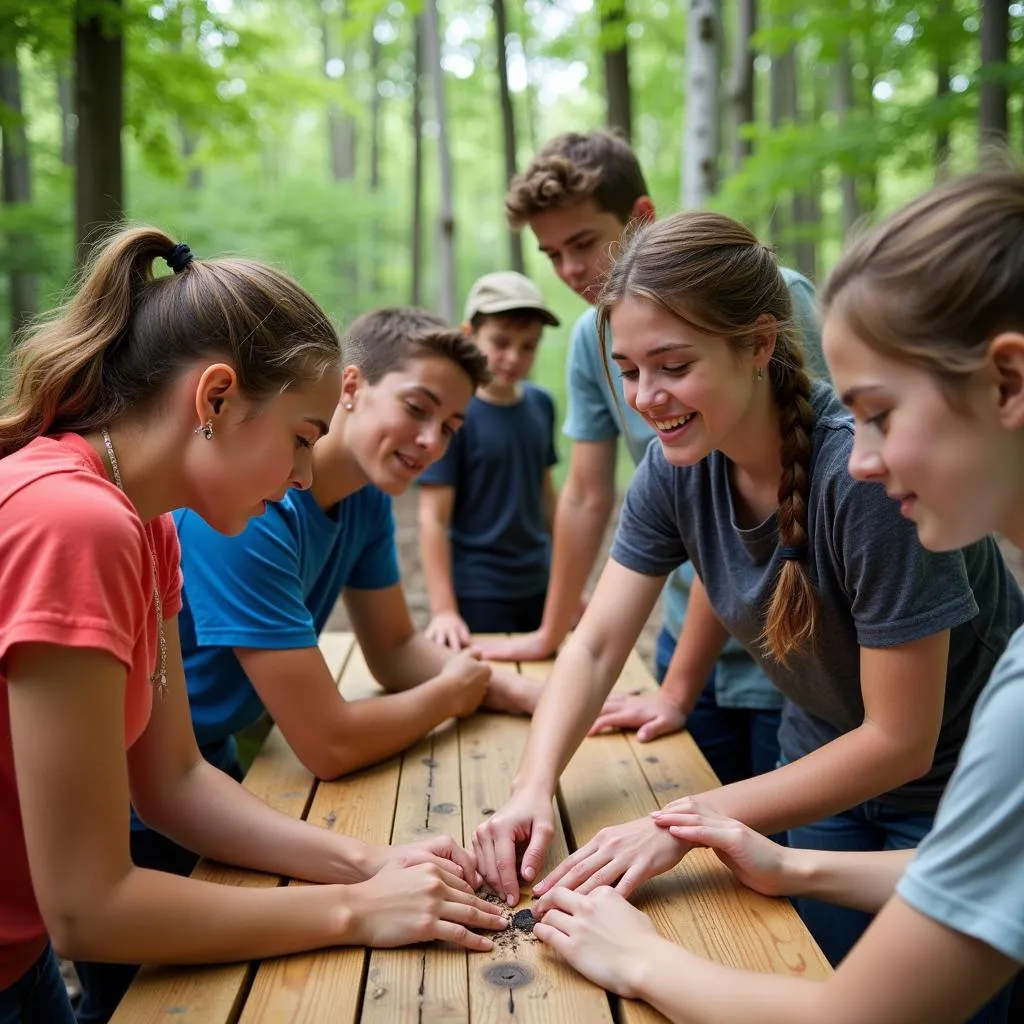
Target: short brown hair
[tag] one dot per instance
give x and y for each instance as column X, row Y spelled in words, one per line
column 599, row 165
column 385, row 339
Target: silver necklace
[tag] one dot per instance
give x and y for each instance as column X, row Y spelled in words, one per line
column 158, row 677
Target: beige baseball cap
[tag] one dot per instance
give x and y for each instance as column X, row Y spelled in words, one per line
column 505, row 291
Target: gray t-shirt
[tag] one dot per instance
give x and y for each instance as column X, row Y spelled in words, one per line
column 969, row 870
column 876, row 587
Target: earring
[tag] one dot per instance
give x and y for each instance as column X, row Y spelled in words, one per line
column 760, row 374
column 206, row 429
column 349, row 407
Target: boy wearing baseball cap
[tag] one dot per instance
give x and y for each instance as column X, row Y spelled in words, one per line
column 486, row 507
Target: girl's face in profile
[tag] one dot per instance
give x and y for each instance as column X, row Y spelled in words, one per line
column 955, row 472
column 405, row 421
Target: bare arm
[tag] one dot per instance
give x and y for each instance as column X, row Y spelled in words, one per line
column 584, row 507
column 435, row 516
column 903, row 690
column 67, row 728
column 550, row 501
column 616, row 946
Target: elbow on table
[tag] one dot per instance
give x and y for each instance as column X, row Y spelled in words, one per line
column 77, row 923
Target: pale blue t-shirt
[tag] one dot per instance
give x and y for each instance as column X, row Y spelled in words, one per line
column 272, row 587
column 595, row 412
column 968, row 873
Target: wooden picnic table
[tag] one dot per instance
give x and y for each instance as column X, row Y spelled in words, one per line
column 447, row 783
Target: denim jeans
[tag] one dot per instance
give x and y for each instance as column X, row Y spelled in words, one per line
column 38, row 996
column 738, row 742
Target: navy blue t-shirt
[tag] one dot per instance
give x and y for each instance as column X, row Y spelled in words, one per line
column 497, row 462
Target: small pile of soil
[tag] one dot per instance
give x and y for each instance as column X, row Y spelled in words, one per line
column 520, row 926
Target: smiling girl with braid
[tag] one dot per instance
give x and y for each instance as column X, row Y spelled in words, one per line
column 879, row 646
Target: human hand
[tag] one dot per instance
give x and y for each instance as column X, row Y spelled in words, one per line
column 603, row 936
column 536, row 646
column 465, row 678
column 511, row 692
column 624, row 856
column 402, row 905
column 651, row 714
column 441, row 851
column 448, row 629
column 754, row 859
column 526, row 818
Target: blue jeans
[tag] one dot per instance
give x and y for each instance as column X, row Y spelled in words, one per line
column 867, row 827
column 738, row 742
column 38, row 996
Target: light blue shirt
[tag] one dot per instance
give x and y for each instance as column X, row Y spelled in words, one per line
column 968, row 873
column 597, row 411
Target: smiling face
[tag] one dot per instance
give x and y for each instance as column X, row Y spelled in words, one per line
column 399, row 426
column 258, row 452
column 577, row 239
column 696, row 390
column 954, row 471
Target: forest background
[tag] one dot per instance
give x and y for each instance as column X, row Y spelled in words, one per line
column 365, row 145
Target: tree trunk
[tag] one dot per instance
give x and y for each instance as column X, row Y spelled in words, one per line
column 16, row 180
column 701, row 135
column 615, row 48
column 341, row 135
column 416, row 241
column 782, row 91
column 375, row 112
column 993, row 119
column 508, row 123
column 194, row 176
column 99, row 103
column 942, row 65
column 65, row 101
column 741, row 91
column 844, row 104
column 530, row 92
column 446, row 223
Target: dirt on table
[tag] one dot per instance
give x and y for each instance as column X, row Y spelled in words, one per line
column 415, row 587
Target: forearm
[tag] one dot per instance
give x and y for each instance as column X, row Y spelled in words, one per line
column 691, row 990
column 863, row 881
column 857, row 766
column 410, row 663
column 699, row 647
column 569, row 703
column 576, row 542
column 436, row 552
column 200, row 922
column 209, row 813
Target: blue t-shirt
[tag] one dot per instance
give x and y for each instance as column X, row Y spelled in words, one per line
column 596, row 412
column 497, row 463
column 272, row 587
column 968, row 872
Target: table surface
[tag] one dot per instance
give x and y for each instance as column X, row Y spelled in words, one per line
column 447, row 783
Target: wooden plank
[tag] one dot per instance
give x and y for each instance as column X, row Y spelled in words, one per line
column 215, row 993
column 327, row 984
column 425, row 983
column 519, row 980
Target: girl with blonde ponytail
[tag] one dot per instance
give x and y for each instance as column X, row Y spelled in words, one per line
column 924, row 336
column 206, row 389
column 880, row 646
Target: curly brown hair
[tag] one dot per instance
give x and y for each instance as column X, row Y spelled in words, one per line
column 598, row 165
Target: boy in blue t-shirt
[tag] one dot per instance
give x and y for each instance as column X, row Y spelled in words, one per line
column 486, row 507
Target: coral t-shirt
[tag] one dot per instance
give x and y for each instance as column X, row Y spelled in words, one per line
column 75, row 571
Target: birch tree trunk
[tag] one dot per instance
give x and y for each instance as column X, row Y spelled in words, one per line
column 16, row 180
column 701, row 130
column 416, row 241
column 446, row 221
column 508, row 123
column 99, row 104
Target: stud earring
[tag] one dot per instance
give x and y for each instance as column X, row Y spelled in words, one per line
column 760, row 374
column 206, row 429
column 349, row 407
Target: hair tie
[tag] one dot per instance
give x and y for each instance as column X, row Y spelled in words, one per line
column 179, row 257
column 796, row 553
